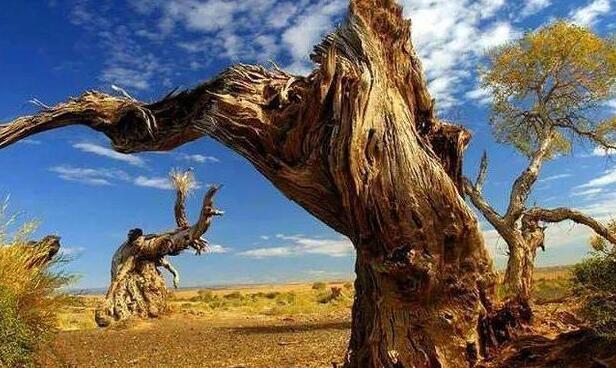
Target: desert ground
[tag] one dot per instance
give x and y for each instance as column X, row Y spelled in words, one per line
column 293, row 325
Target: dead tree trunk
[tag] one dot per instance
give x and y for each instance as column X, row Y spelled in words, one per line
column 357, row 144
column 43, row 251
column 137, row 286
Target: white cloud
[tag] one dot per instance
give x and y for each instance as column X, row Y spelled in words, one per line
column 96, row 177
column 611, row 104
column 206, row 16
column 29, row 141
column 589, row 193
column 307, row 30
column 555, row 177
column 533, row 6
column 608, row 178
column 327, row 275
column 218, row 249
column 450, row 47
column 199, row 158
column 479, row 94
column 600, row 151
column 588, row 14
column 105, row 177
column 71, row 251
column 109, row 153
column 153, row 182
column 498, row 34
column 267, row 252
column 602, row 207
column 301, row 245
column 450, row 37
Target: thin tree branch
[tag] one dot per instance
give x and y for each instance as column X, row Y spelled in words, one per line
column 589, row 134
column 562, row 214
column 483, row 171
column 482, row 205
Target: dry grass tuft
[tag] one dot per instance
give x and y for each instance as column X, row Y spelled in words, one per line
column 29, row 297
column 183, row 181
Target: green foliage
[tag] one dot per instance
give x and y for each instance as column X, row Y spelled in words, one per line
column 17, row 340
column 594, row 281
column 551, row 82
column 549, row 290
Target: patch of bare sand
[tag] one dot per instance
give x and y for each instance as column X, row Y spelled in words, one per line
column 188, row 341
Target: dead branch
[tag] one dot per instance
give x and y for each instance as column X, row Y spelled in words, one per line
column 562, row 214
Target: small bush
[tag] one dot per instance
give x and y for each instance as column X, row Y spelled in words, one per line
column 29, row 298
column 335, row 293
column 594, row 282
column 348, row 286
column 272, row 295
column 287, row 298
column 319, row 286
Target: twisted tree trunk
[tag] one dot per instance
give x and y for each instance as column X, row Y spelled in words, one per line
column 521, row 227
column 137, row 286
column 356, row 143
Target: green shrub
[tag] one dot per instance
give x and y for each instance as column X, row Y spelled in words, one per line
column 17, row 341
column 319, row 286
column 547, row 290
column 594, row 283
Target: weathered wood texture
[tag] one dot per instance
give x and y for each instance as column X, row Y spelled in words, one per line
column 137, row 287
column 358, row 145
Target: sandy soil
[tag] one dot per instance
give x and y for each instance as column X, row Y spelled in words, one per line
column 226, row 339
column 188, row 341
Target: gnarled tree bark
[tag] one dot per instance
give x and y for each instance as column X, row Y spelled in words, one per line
column 137, row 286
column 357, row 144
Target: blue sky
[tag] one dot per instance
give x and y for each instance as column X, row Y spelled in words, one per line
column 78, row 188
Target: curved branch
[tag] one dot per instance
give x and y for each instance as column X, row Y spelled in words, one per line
column 592, row 135
column 483, row 206
column 207, row 212
column 562, row 214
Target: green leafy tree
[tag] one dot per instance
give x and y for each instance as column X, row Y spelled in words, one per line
column 549, row 90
